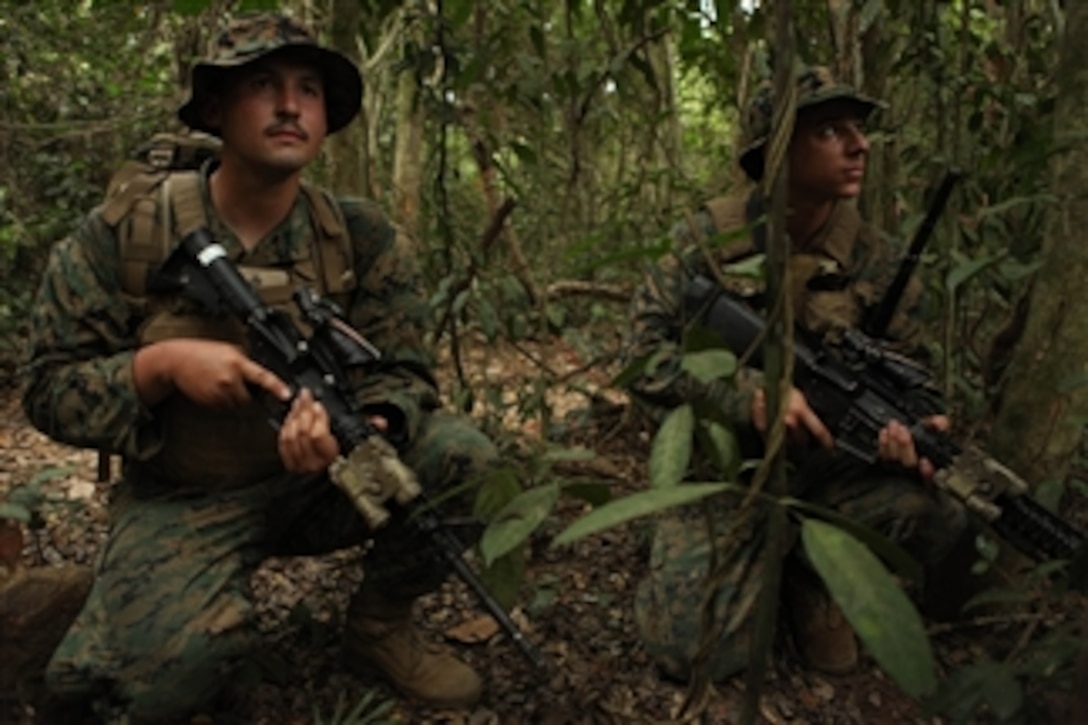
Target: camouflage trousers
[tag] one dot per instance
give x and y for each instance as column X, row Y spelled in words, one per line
column 668, row 603
column 171, row 614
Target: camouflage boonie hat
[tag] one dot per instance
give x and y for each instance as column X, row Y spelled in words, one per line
column 257, row 35
column 815, row 85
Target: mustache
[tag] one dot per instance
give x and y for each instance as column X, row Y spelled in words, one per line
column 287, row 127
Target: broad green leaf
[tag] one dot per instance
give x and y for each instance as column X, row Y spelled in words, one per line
column 499, row 487
column 503, row 577
column 671, row 451
column 516, row 521
column 721, row 442
column 891, row 553
column 14, row 512
column 710, row 365
column 874, row 604
column 634, row 506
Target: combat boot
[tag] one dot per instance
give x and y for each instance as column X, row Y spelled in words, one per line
column 823, row 637
column 381, row 636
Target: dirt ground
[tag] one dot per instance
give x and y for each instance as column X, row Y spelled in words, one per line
column 575, row 604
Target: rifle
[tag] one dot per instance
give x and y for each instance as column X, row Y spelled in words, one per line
column 859, row 386
column 881, row 316
column 368, row 469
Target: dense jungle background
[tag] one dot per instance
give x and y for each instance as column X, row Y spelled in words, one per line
column 539, row 152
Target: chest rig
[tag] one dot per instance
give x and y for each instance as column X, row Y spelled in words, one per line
column 216, row 448
column 822, row 292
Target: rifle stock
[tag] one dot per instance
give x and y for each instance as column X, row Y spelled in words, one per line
column 860, row 386
column 369, row 471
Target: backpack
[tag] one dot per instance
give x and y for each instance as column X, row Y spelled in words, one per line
column 155, row 196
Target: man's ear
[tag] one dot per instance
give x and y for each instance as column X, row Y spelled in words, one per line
column 211, row 111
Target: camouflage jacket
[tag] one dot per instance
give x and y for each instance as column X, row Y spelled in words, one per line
column 86, row 329
column 841, row 273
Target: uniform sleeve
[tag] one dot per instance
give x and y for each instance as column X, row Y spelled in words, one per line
column 388, row 308
column 80, row 387
column 658, row 318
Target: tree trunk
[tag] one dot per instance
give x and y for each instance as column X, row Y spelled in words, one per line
column 1040, row 423
column 347, row 149
column 408, row 154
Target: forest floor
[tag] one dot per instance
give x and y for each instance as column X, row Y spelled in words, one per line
column 575, row 604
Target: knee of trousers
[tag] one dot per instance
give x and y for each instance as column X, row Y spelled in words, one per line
column 449, row 450
column 160, row 669
column 670, row 630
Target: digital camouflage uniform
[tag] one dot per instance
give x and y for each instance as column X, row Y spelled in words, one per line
column 840, row 274
column 203, row 497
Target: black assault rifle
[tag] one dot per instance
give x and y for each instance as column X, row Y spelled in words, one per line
column 368, row 470
column 860, row 385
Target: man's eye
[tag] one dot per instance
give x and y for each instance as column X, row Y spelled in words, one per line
column 312, row 89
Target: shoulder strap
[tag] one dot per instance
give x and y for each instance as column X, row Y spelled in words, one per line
column 149, row 214
column 336, row 255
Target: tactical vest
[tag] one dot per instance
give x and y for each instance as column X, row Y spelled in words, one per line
column 823, row 296
column 150, row 213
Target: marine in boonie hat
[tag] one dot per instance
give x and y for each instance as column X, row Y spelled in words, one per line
column 258, row 35
column 815, row 85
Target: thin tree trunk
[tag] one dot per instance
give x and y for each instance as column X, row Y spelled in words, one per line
column 347, row 149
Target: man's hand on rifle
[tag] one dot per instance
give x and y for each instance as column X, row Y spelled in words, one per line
column 896, row 445
column 802, row 423
column 306, row 442
column 208, row 372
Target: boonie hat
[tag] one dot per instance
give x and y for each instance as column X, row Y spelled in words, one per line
column 815, row 85
column 254, row 36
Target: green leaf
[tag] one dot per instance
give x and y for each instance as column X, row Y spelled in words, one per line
column 996, row 596
column 566, row 455
column 968, row 269
column 488, row 319
column 671, row 451
column 14, row 512
column 874, row 604
column 720, row 440
column 499, row 487
column 891, row 553
column 710, row 365
column 503, row 577
column 630, row 372
column 595, row 494
column 969, row 687
column 634, row 506
column 753, row 267
column 516, row 521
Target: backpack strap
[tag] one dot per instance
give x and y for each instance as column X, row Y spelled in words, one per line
column 152, row 211
column 335, row 255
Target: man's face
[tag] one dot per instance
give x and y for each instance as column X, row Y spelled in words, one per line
column 272, row 114
column 827, row 153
